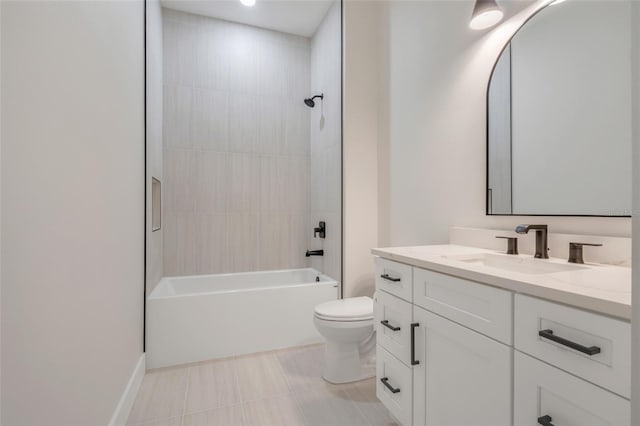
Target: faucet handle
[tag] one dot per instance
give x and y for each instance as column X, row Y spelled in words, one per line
column 512, row 244
column 575, row 251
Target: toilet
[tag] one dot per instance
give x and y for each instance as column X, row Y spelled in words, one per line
column 347, row 326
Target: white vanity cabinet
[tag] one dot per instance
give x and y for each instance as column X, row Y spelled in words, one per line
column 463, row 377
column 569, row 365
column 545, row 395
column 432, row 370
column 455, row 352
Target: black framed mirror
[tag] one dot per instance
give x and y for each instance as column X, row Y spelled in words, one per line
column 559, row 114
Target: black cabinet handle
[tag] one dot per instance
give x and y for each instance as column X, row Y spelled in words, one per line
column 414, row 361
column 385, row 381
column 548, row 334
column 389, row 278
column 545, row 420
column 386, row 324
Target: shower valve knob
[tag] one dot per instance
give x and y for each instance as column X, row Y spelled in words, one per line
column 320, row 230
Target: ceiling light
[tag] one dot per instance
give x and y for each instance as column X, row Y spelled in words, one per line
column 486, row 13
column 248, row 3
column 553, row 3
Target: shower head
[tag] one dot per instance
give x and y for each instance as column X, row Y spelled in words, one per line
column 310, row 101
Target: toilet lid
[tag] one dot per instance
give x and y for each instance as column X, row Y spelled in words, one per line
column 349, row 309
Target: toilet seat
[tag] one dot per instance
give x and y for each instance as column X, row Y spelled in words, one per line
column 346, row 310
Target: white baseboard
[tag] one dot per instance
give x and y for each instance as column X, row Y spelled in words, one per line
column 121, row 413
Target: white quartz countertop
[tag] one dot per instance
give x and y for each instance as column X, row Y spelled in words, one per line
column 601, row 288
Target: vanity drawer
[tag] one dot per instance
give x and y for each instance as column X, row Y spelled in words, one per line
column 393, row 325
column 542, row 390
column 396, row 394
column 394, row 278
column 480, row 307
column 592, row 346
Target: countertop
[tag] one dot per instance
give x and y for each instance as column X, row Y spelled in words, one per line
column 605, row 289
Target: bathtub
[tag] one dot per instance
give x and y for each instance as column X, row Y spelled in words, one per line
column 202, row 317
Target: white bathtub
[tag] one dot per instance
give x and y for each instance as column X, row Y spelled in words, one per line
column 203, row 317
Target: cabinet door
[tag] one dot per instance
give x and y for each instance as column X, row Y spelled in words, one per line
column 546, row 395
column 463, row 378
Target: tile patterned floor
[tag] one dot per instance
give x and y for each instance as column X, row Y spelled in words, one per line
column 272, row 388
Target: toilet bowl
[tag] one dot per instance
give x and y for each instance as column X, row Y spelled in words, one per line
column 347, row 326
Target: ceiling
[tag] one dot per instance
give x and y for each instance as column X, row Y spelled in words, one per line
column 301, row 17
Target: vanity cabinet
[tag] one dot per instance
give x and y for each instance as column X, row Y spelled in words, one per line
column 455, row 352
column 545, row 395
column 433, row 354
column 463, row 377
column 602, row 345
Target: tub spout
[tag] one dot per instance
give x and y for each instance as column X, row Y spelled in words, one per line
column 314, row 253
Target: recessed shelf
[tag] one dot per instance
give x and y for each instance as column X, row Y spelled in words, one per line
column 156, row 205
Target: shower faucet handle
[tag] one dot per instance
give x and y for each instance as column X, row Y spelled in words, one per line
column 320, row 230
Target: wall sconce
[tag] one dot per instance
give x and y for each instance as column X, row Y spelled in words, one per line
column 486, row 13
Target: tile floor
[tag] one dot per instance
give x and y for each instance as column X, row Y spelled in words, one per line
column 271, row 388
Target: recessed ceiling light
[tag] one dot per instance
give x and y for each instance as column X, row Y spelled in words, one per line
column 248, row 3
column 486, row 13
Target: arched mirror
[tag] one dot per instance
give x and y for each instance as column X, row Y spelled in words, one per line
column 559, row 114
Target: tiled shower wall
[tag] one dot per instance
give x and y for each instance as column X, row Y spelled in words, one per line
column 236, row 147
column 326, row 138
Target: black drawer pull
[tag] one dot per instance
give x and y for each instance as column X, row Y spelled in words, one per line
column 385, row 381
column 389, row 278
column 548, row 334
column 414, row 361
column 545, row 420
column 386, row 324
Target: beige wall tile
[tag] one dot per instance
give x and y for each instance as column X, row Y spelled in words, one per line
column 212, row 176
column 243, row 242
column 212, row 243
column 210, row 119
column 273, row 241
column 177, row 116
column 244, row 173
column 237, row 143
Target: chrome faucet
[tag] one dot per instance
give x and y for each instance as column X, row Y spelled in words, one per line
column 542, row 244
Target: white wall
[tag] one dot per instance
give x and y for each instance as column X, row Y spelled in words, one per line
column 72, row 208
column 326, row 148
column 635, row 270
column 154, row 136
column 570, row 98
column 236, row 147
column 438, row 76
column 360, row 151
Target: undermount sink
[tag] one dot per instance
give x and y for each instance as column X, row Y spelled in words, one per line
column 520, row 264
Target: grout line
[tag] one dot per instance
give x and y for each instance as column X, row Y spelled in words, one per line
column 299, row 407
column 358, row 408
column 237, row 383
column 186, row 395
column 149, row 422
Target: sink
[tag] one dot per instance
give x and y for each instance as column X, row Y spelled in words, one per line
column 520, row 264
